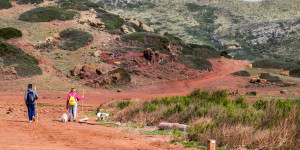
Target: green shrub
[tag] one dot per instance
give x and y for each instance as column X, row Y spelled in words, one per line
column 24, row 64
column 5, row 4
column 270, row 78
column 80, row 5
column 271, row 64
column 30, row 1
column 174, row 39
column 7, row 33
column 295, row 72
column 195, row 132
column 149, row 40
column 253, row 93
column 46, row 14
column 261, row 104
column 74, row 39
column 123, row 104
column 111, row 21
column 203, row 51
column 224, row 53
column 242, row 73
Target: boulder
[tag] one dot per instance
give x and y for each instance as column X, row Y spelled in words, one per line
column 99, row 71
column 134, row 21
column 147, row 28
column 10, row 109
column 117, row 63
column 76, row 70
column 98, row 53
column 152, row 56
column 250, row 66
column 13, row 70
column 50, row 40
column 127, row 29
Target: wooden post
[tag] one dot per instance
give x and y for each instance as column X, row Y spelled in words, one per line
column 211, row 144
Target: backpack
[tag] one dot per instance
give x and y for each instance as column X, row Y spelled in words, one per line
column 30, row 96
column 72, row 100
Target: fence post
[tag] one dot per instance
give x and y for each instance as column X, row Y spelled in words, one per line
column 211, row 144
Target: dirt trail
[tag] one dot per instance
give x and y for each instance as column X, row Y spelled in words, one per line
column 49, row 134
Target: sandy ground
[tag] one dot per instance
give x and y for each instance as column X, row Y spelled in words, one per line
column 49, row 133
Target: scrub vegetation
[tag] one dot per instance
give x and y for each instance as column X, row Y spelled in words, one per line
column 273, row 124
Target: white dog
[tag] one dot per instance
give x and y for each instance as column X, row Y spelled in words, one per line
column 64, row 118
column 102, row 116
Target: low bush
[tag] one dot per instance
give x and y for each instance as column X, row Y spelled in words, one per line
column 80, row 5
column 149, row 40
column 111, row 21
column 123, row 104
column 7, row 33
column 270, row 78
column 295, row 72
column 30, row 1
column 24, row 64
column 5, row 4
column 174, row 39
column 253, row 93
column 46, row 14
column 271, row 64
column 203, row 51
column 120, row 76
column 231, row 122
column 74, row 39
column 242, row 73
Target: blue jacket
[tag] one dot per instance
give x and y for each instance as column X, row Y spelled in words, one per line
column 34, row 93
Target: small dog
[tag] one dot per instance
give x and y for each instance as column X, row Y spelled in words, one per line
column 102, row 116
column 64, row 118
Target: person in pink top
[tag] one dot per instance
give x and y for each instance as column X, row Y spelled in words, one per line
column 73, row 108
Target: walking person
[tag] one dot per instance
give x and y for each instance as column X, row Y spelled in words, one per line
column 72, row 101
column 30, row 97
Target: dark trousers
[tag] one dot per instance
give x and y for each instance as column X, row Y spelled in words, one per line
column 31, row 111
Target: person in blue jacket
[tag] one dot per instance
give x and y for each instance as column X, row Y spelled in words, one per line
column 30, row 97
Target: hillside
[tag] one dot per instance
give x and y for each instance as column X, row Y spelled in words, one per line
column 248, row 30
column 81, row 43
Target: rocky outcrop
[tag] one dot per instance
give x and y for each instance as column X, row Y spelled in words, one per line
column 134, row 21
column 97, row 78
column 97, row 53
column 152, row 56
column 13, row 70
column 127, row 29
column 146, row 28
column 271, row 32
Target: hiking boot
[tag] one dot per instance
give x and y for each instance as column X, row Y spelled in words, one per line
column 69, row 120
column 33, row 118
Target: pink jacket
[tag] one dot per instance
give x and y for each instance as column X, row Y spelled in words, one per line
column 75, row 96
